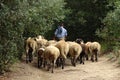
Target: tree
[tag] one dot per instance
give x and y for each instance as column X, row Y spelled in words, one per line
column 24, row 18
column 110, row 32
column 85, row 18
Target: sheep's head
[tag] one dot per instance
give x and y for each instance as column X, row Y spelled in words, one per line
column 80, row 41
column 40, row 52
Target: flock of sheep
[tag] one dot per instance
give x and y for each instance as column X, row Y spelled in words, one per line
column 53, row 53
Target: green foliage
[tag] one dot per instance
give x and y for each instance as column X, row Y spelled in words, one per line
column 24, row 18
column 11, row 30
column 85, row 18
column 8, row 51
column 41, row 16
column 110, row 32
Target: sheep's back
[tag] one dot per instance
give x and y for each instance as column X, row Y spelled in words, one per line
column 74, row 48
column 63, row 47
column 51, row 52
column 95, row 46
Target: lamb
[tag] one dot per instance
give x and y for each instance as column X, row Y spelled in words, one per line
column 30, row 47
column 64, row 48
column 51, row 54
column 84, row 48
column 74, row 52
column 94, row 49
column 40, row 56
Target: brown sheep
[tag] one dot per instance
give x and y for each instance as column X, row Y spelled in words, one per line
column 40, row 56
column 85, row 47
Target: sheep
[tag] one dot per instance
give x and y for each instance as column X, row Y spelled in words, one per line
column 51, row 54
column 42, row 43
column 84, row 48
column 87, row 52
column 39, row 37
column 51, row 42
column 30, row 47
column 79, row 41
column 40, row 56
column 64, row 48
column 94, row 49
column 74, row 52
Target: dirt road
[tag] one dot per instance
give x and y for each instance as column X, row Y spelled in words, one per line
column 101, row 70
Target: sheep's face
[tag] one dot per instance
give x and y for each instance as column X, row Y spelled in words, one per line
column 79, row 41
column 41, row 52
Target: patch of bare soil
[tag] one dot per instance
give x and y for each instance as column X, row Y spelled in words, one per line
column 101, row 70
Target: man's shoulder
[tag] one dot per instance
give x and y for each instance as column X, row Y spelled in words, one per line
column 64, row 28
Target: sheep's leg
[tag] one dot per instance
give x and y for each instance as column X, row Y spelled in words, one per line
column 71, row 60
column 80, row 58
column 48, row 65
column 44, row 64
column 58, row 63
column 83, row 58
column 53, row 63
column 62, row 62
column 96, row 58
column 30, row 54
column 27, row 58
column 86, row 56
column 41, row 61
column 92, row 58
column 74, row 61
column 38, row 62
column 30, row 57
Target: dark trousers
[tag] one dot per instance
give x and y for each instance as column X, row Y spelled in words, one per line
column 58, row 39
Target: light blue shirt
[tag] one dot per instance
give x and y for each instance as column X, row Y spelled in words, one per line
column 60, row 32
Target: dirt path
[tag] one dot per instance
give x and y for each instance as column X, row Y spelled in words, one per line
column 101, row 70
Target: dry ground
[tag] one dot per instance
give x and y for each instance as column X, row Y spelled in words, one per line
column 101, row 70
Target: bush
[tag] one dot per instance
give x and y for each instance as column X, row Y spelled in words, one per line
column 7, row 55
column 24, row 18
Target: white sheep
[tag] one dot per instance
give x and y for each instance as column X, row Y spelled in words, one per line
column 42, row 43
column 30, row 47
column 87, row 52
column 39, row 37
column 64, row 48
column 74, row 52
column 51, row 54
column 94, row 49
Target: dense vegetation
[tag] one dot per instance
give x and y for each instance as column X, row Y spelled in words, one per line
column 87, row 19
